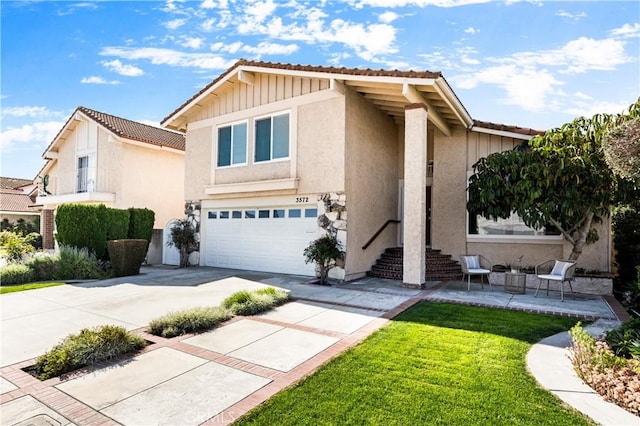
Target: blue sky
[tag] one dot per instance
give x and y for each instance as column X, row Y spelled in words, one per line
column 528, row 63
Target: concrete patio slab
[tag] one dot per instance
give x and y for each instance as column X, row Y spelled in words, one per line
column 341, row 319
column 294, row 312
column 377, row 300
column 233, row 336
column 110, row 385
column 6, row 386
column 27, row 411
column 285, row 349
column 188, row 399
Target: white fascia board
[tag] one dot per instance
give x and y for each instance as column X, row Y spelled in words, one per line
column 113, row 136
column 257, row 186
column 446, row 93
column 501, row 133
column 413, row 96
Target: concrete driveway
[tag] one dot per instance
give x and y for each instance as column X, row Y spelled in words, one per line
column 211, row 378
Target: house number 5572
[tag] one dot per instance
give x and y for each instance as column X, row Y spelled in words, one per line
column 302, row 199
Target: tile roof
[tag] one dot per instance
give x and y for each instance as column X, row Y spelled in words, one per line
column 137, row 131
column 309, row 68
column 14, row 200
column 507, row 128
column 13, row 183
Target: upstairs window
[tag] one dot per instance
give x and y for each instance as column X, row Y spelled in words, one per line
column 82, row 181
column 232, row 145
column 272, row 138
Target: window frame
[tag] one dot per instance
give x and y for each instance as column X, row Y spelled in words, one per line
column 255, row 140
column 231, row 125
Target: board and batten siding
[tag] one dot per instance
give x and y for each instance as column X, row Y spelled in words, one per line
column 267, row 88
column 480, row 145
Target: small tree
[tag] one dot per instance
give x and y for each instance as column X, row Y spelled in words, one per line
column 324, row 252
column 622, row 149
column 183, row 237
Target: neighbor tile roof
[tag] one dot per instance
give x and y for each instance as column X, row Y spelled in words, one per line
column 14, row 200
column 507, row 128
column 310, row 68
column 13, row 183
column 137, row 131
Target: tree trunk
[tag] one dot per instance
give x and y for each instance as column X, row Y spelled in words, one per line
column 581, row 240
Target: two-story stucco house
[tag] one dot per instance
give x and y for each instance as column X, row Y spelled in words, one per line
column 100, row 158
column 277, row 152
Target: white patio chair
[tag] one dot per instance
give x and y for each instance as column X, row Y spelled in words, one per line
column 561, row 272
column 475, row 264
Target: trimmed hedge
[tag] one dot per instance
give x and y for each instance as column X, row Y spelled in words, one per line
column 81, row 225
column 141, row 224
column 91, row 226
column 127, row 256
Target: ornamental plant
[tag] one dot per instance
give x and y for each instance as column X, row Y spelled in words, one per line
column 325, row 252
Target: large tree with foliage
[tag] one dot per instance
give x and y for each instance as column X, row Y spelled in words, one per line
column 560, row 178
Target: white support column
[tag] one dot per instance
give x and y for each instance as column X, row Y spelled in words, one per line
column 415, row 198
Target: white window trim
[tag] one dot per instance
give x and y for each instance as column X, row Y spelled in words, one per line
column 484, row 238
column 246, row 150
column 271, row 159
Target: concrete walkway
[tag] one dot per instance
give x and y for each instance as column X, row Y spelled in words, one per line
column 210, row 378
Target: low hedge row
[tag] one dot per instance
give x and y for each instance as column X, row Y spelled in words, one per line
column 197, row 320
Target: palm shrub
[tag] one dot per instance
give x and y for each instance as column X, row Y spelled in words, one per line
column 325, row 252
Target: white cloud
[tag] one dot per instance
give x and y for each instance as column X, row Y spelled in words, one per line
column 472, row 30
column 39, row 133
column 29, row 111
column 175, row 23
column 97, row 80
column 255, row 15
column 171, row 57
column 208, row 24
column 569, row 15
column 388, row 17
column 227, row 47
column 267, row 48
column 122, row 69
column 211, row 4
column 192, row 42
column 626, row 31
column 418, row 3
column 589, row 107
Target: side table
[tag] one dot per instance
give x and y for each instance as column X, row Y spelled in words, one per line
column 515, row 282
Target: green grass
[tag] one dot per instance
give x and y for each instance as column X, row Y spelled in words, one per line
column 28, row 286
column 433, row 364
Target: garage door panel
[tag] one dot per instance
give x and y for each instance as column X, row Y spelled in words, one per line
column 272, row 245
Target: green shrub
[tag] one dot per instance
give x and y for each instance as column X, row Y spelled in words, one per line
column 45, row 266
column 83, row 226
column 88, row 347
column 17, row 246
column 141, row 224
column 77, row 264
column 127, row 256
column 325, row 252
column 116, row 224
column 626, row 230
column 195, row 320
column 625, row 340
column 15, row 273
column 253, row 302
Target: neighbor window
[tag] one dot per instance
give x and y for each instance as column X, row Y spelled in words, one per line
column 272, row 137
column 232, row 145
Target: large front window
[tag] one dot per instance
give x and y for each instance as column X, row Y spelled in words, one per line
column 232, row 145
column 83, row 174
column 513, row 225
column 272, row 138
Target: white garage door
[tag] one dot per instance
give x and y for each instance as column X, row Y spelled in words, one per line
column 261, row 239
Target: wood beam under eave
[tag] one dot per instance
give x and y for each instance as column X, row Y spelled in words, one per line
column 246, row 77
column 413, row 96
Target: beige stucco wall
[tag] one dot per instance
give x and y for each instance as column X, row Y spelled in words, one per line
column 371, row 171
column 448, row 205
column 198, row 162
column 153, row 179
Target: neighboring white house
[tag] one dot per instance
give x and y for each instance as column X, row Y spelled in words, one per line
column 100, row 158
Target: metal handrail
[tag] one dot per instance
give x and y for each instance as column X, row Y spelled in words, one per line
column 378, row 232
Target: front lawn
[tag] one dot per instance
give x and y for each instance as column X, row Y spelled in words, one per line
column 28, row 286
column 433, row 364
